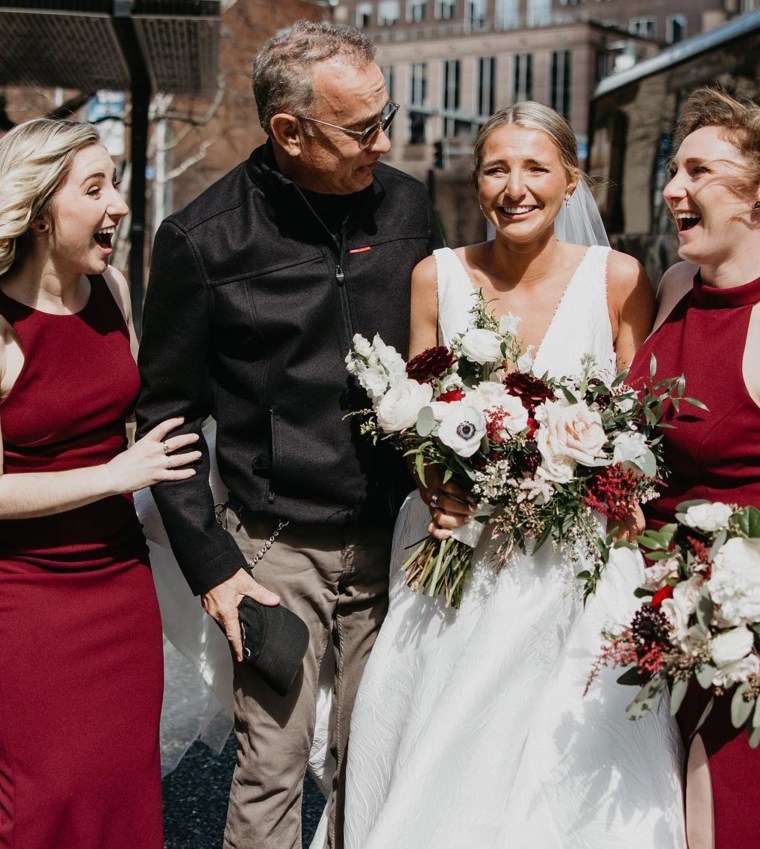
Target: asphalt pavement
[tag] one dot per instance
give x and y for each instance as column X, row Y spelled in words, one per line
column 195, row 800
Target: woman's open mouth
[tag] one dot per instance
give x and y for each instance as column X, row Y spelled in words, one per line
column 104, row 237
column 686, row 220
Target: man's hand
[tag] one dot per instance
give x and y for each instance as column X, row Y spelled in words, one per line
column 221, row 603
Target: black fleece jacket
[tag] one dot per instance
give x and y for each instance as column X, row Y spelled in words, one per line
column 250, row 311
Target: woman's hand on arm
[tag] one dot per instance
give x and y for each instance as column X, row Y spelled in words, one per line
column 632, row 305
column 154, row 458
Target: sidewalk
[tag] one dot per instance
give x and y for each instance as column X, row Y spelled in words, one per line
column 195, row 800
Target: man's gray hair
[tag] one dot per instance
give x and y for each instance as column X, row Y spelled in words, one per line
column 282, row 67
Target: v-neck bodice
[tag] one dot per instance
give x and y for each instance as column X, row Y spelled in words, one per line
column 579, row 327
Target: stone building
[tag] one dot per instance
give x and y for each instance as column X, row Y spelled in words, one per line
column 451, row 63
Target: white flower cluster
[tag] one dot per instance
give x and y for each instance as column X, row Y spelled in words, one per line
column 733, row 587
column 376, row 366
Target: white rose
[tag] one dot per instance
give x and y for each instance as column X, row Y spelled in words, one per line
column 731, row 646
column 682, row 606
column 736, row 672
column 629, row 448
column 677, row 619
column 508, row 324
column 708, row 517
column 462, row 428
column 735, row 581
column 401, row 404
column 481, row 346
column 570, row 431
column 657, row 575
column 694, row 639
column 489, row 395
column 686, row 594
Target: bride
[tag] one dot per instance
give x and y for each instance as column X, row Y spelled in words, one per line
column 471, row 728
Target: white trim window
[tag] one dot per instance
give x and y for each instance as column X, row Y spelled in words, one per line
column 363, row 15
column 416, row 11
column 388, row 12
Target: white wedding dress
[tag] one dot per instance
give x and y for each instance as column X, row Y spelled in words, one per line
column 471, row 730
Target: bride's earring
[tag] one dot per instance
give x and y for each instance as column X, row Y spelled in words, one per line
column 567, row 200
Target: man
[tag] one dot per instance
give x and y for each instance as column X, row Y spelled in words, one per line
column 256, row 290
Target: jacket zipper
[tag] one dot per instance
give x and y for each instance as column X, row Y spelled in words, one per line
column 340, row 279
column 273, row 447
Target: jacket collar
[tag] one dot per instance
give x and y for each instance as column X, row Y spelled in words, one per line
column 289, row 207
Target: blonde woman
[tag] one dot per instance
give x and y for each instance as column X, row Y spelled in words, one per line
column 470, row 727
column 80, row 635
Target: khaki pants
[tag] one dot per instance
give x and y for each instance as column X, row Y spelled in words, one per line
column 336, row 580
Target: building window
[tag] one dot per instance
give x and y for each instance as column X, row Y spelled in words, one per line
column 507, row 14
column 604, row 64
column 486, row 85
column 452, row 69
column 523, row 88
column 675, row 28
column 559, row 96
column 570, row 2
column 642, row 26
column 475, row 14
column 388, row 12
column 445, row 9
column 539, row 13
column 747, row 6
column 363, row 15
column 415, row 10
column 417, row 97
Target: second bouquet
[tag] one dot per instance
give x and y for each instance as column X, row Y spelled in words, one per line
column 540, row 455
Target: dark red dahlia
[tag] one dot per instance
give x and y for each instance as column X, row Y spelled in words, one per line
column 650, row 626
column 433, row 362
column 531, row 390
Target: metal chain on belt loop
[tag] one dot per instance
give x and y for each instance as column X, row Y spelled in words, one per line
column 268, row 544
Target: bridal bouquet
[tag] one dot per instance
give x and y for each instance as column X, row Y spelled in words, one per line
column 539, row 455
column 701, row 619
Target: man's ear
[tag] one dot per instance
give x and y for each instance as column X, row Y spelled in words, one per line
column 286, row 133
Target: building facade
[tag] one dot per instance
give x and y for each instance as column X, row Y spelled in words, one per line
column 451, row 63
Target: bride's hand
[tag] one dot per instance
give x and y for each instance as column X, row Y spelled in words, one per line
column 629, row 528
column 450, row 505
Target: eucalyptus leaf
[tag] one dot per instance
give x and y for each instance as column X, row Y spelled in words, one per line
column 630, row 677
column 642, row 704
column 705, row 714
column 705, row 608
column 718, row 543
column 740, row 708
column 754, row 738
column 677, row 693
column 426, row 421
column 756, row 715
column 705, row 674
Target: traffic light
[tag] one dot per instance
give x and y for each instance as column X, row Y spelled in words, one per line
column 439, row 160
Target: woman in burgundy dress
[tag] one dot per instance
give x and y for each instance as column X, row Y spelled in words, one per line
column 80, row 635
column 708, row 328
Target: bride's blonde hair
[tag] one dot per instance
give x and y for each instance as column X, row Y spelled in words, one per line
column 35, row 158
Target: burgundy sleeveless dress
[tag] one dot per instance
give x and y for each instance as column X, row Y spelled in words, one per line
column 80, row 635
column 714, row 455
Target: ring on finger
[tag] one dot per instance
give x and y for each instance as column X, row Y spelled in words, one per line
column 169, row 463
column 166, row 447
column 434, row 498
